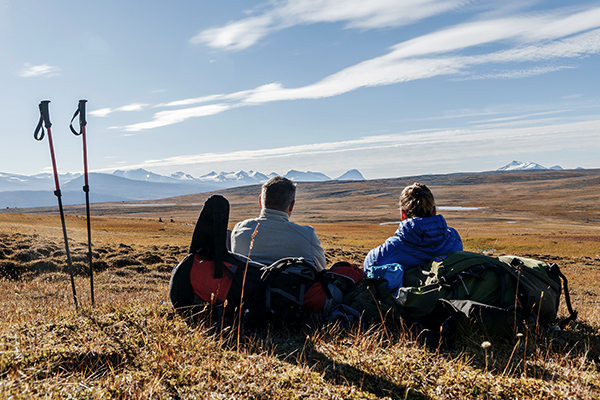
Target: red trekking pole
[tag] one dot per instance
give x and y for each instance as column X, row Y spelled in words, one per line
column 86, row 186
column 39, row 135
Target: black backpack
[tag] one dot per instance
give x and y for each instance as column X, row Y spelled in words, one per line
column 210, row 276
column 281, row 291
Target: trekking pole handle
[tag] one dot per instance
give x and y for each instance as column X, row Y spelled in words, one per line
column 44, row 110
column 44, row 118
column 82, row 121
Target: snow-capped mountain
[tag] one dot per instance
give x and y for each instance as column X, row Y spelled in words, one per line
column 141, row 174
column 525, row 166
column 40, row 181
column 239, row 178
column 182, row 176
column 131, row 185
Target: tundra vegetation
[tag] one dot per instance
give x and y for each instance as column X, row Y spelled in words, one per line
column 132, row 346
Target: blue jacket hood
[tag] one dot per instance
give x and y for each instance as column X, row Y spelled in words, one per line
column 417, row 240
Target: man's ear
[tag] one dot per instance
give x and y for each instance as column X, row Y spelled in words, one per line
column 403, row 215
column 260, row 201
column 291, row 207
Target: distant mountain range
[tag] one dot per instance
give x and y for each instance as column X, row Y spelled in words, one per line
column 139, row 184
column 133, row 185
column 528, row 166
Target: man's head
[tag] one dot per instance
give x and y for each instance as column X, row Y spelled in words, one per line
column 417, row 200
column 278, row 193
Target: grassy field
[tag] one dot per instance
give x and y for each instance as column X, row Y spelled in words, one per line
column 131, row 346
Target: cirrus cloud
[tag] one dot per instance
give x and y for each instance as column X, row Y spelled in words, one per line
column 32, row 71
column 455, row 51
column 359, row 14
column 103, row 112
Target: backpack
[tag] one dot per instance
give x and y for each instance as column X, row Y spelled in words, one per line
column 494, row 294
column 542, row 283
column 344, row 275
column 281, row 291
column 346, row 295
column 210, row 276
column 328, row 292
column 373, row 301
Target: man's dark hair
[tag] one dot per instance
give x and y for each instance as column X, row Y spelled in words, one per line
column 417, row 201
column 278, row 193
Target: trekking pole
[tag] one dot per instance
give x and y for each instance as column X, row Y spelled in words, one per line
column 39, row 135
column 86, row 186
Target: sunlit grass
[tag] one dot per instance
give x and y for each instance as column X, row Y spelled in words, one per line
column 131, row 345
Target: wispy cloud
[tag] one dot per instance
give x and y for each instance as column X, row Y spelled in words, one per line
column 533, row 39
column 520, row 117
column 508, row 139
column 32, row 71
column 400, row 65
column 103, row 112
column 164, row 118
column 517, row 73
column 356, row 13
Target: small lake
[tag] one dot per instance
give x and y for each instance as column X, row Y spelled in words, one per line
column 146, row 205
column 459, row 208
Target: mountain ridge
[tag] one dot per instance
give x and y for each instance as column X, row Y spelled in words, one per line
column 131, row 185
column 529, row 166
column 18, row 191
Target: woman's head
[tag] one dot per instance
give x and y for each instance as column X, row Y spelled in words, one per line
column 416, row 201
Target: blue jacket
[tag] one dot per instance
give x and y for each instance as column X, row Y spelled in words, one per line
column 416, row 241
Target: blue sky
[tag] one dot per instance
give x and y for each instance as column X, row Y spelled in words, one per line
column 391, row 88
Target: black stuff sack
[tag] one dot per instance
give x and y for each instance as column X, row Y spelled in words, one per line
column 210, row 274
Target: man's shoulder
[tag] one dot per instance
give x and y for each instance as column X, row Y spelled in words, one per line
column 303, row 228
column 246, row 223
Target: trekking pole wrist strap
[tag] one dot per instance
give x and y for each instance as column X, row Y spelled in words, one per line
column 82, row 121
column 38, row 134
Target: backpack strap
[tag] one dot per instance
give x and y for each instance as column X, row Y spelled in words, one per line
column 456, row 280
column 572, row 314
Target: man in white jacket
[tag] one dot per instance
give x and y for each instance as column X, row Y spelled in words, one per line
column 276, row 236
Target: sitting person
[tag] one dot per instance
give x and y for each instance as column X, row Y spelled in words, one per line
column 421, row 236
column 277, row 237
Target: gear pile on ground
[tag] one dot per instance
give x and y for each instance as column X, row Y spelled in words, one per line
column 459, row 290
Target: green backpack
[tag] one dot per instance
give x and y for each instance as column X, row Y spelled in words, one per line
column 493, row 292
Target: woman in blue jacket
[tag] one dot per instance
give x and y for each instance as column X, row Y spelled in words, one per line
column 421, row 236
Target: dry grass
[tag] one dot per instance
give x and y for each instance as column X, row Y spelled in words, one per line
column 131, row 346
